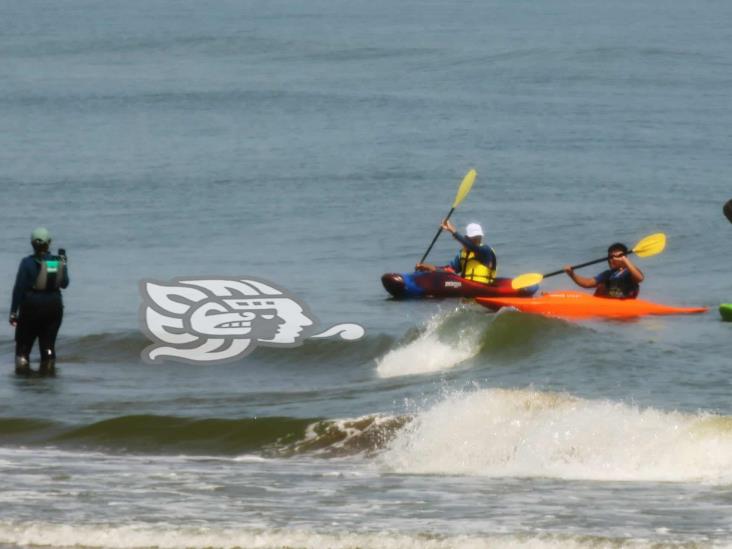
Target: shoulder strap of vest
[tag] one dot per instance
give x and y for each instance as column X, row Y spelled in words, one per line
column 465, row 256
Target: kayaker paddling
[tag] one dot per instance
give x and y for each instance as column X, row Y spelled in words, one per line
column 476, row 261
column 621, row 281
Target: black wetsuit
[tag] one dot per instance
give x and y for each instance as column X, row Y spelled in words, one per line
column 39, row 311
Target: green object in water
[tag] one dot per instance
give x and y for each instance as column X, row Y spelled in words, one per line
column 725, row 309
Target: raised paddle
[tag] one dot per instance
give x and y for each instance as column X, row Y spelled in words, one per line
column 462, row 192
column 728, row 210
column 650, row 245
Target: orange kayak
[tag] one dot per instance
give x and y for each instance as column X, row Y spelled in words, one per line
column 579, row 305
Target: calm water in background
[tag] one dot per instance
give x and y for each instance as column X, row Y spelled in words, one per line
column 317, row 145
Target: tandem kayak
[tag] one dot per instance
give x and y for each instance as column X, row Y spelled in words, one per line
column 578, row 305
column 447, row 284
column 725, row 309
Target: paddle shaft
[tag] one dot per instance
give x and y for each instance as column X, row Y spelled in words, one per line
column 593, row 262
column 436, row 237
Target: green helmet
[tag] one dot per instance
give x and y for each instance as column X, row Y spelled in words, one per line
column 41, row 235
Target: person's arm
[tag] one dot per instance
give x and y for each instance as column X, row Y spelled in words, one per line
column 583, row 281
column 428, row 267
column 23, row 283
column 465, row 241
column 477, row 249
column 634, row 271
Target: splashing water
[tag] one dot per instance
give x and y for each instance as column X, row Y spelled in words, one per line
column 447, row 340
column 525, row 433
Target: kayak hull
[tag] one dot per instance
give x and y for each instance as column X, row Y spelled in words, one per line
column 445, row 284
column 578, row 305
column 725, row 309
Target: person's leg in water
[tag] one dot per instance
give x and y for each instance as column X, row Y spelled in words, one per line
column 48, row 330
column 25, row 335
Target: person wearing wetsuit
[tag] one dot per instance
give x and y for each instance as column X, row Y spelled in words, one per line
column 37, row 308
column 476, row 261
column 621, row 281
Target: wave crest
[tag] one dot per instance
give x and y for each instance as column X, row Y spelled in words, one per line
column 449, row 339
column 266, row 436
column 526, row 433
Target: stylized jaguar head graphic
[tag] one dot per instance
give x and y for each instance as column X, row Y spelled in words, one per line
column 213, row 320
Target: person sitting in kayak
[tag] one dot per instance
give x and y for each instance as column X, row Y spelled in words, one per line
column 621, row 281
column 476, row 261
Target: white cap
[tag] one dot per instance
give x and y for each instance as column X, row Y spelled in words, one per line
column 473, row 229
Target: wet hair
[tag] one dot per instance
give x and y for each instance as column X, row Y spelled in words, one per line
column 617, row 247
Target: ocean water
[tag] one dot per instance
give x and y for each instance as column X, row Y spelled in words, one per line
column 317, row 145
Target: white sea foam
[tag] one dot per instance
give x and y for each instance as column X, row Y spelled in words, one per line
column 431, row 352
column 250, row 458
column 25, row 534
column 525, row 433
column 348, row 436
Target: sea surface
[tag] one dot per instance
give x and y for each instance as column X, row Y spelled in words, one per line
column 317, row 145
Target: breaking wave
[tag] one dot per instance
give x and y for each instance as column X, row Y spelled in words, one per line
column 268, row 436
column 527, row 433
column 449, row 339
column 486, row 432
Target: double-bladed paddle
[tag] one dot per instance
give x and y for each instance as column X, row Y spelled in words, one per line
column 728, row 210
column 650, row 245
column 462, row 192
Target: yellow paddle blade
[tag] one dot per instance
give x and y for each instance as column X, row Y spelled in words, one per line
column 465, row 187
column 526, row 280
column 650, row 245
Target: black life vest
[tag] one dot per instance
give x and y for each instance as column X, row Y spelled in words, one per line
column 618, row 285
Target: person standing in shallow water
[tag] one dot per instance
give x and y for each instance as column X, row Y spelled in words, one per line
column 37, row 307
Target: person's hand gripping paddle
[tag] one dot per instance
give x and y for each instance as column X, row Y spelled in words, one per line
column 649, row 246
